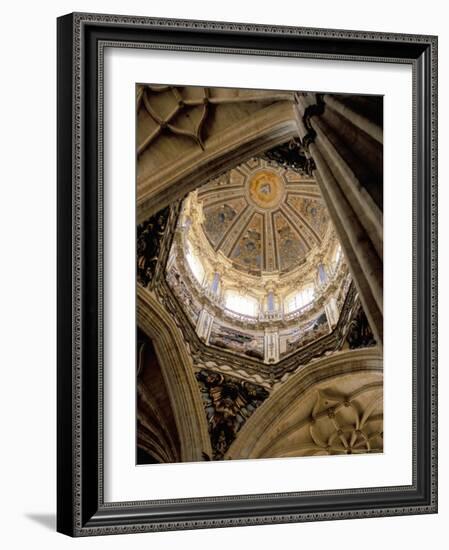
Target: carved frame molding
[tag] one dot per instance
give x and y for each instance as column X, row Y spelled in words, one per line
column 81, row 41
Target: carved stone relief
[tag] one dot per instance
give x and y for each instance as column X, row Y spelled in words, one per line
column 228, row 403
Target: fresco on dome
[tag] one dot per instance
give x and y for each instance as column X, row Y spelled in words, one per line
column 219, row 218
column 291, row 249
column 247, row 252
column 312, row 211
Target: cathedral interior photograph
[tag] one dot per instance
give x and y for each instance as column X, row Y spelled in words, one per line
column 259, row 266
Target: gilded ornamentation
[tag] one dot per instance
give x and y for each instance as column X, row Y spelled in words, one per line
column 221, row 358
column 199, row 276
column 262, row 335
column 263, row 217
column 266, row 189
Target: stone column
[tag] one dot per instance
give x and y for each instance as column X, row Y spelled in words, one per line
column 356, row 109
column 271, row 345
column 332, row 313
column 347, row 164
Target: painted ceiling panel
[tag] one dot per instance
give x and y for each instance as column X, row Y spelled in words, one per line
column 220, row 217
column 263, row 217
column 313, row 212
column 247, row 252
column 291, row 248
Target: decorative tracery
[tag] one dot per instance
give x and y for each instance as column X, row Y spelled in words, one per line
column 338, row 426
column 228, row 403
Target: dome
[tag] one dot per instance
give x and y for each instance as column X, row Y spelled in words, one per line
column 255, row 263
column 263, row 217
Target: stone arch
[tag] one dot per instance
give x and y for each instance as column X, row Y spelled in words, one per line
column 178, row 374
column 331, row 406
column 272, row 124
column 157, row 433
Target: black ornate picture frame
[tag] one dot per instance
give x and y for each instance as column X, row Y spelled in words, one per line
column 81, row 507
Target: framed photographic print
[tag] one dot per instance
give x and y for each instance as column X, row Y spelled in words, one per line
column 247, row 281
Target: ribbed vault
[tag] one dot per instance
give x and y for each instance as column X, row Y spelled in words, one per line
column 333, row 406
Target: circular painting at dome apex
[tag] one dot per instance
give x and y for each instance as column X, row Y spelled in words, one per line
column 266, row 189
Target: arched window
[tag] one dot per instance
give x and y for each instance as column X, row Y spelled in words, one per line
column 196, row 267
column 322, row 275
column 299, row 299
column 246, row 305
column 215, row 284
